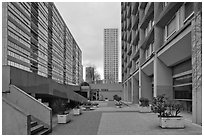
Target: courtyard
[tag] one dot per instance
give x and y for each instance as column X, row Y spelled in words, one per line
column 109, row 120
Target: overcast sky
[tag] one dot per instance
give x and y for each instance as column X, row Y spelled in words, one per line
column 86, row 21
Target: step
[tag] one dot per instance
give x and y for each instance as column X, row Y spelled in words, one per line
column 33, row 123
column 36, row 129
column 45, row 131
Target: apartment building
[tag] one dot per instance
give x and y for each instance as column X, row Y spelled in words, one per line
column 36, row 39
column 161, row 52
column 111, row 55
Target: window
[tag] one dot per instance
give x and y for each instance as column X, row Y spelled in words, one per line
column 171, row 27
column 188, row 13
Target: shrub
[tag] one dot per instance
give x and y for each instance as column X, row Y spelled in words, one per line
column 144, row 102
column 165, row 107
column 117, row 98
column 58, row 106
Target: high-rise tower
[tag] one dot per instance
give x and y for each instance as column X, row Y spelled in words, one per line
column 111, row 55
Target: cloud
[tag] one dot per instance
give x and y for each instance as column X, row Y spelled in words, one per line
column 86, row 21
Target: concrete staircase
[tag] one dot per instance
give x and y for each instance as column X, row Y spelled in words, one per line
column 38, row 129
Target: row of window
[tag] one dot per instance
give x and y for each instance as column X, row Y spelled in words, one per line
column 18, row 48
column 184, row 14
column 18, row 38
column 19, row 21
column 11, row 63
column 19, row 14
column 17, row 30
column 17, row 56
column 24, row 6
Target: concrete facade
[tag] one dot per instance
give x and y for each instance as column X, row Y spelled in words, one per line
column 161, row 52
column 36, row 39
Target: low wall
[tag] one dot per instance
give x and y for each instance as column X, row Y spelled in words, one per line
column 30, row 105
column 109, row 95
column 14, row 120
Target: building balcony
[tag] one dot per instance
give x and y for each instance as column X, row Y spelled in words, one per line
column 142, row 5
column 129, row 64
column 135, row 54
column 134, row 7
column 128, row 9
column 129, row 36
column 148, row 67
column 148, row 15
column 129, row 23
column 135, row 39
column 129, row 50
column 168, row 12
column 148, row 39
column 135, row 21
column 177, row 48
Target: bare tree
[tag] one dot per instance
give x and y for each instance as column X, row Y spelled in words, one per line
column 96, row 75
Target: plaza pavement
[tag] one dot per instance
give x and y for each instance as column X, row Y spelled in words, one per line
column 109, row 120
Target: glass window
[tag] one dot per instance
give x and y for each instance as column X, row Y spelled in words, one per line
column 171, row 27
column 188, row 9
column 184, row 92
column 188, row 14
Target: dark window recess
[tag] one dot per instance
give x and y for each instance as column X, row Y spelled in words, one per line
column 184, row 92
column 183, row 80
column 188, row 9
column 182, row 67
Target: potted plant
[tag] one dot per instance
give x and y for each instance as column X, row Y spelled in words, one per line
column 63, row 118
column 77, row 110
column 144, row 105
column 117, row 99
column 168, row 111
column 59, row 107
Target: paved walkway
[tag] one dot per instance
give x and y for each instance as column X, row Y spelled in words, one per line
column 109, row 120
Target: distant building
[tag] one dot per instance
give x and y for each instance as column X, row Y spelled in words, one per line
column 111, row 55
column 90, row 75
column 105, row 91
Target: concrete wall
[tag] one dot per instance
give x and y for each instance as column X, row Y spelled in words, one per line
column 146, row 86
column 30, row 105
column 4, row 32
column 110, row 94
column 197, row 64
column 135, row 90
column 5, row 78
column 163, row 81
column 14, row 120
column 35, row 84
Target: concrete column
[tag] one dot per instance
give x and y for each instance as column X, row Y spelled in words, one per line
column 146, row 86
column 140, row 83
column 197, row 64
column 125, row 91
column 163, row 81
column 129, row 90
column 135, row 90
column 4, row 32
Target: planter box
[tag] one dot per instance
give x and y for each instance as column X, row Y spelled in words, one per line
column 172, row 122
column 145, row 109
column 63, row 118
column 77, row 111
